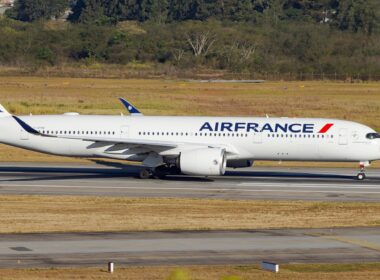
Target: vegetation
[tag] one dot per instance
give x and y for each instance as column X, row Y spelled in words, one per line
column 27, row 214
column 370, row 271
column 25, row 95
column 258, row 38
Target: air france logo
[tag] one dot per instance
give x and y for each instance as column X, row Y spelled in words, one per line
column 266, row 127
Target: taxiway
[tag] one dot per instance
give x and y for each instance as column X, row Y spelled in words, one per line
column 352, row 245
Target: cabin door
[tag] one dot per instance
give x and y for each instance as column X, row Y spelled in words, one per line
column 124, row 132
column 343, row 136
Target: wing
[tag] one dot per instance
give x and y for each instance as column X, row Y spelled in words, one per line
column 161, row 145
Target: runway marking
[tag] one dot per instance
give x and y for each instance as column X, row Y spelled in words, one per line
column 309, row 186
column 192, row 189
column 357, row 242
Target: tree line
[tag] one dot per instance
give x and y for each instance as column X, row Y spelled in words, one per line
column 331, row 37
column 354, row 15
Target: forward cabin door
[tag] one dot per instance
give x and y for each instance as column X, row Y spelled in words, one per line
column 343, row 136
column 124, row 132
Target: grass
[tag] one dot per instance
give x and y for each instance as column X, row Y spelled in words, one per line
column 25, row 214
column 369, row 271
column 36, row 95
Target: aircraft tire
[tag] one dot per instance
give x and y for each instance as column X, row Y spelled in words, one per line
column 361, row 176
column 145, row 174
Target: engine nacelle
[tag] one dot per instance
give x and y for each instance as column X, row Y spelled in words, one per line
column 206, row 162
column 240, row 163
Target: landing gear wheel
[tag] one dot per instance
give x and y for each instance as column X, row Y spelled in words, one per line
column 145, row 174
column 360, row 176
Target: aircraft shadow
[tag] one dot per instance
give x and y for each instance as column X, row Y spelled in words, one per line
column 120, row 170
column 81, row 173
column 283, row 174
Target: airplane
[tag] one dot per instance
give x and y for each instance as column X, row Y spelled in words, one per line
column 201, row 146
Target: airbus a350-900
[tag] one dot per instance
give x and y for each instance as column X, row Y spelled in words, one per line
column 202, row 146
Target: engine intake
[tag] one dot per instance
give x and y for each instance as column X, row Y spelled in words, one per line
column 206, row 162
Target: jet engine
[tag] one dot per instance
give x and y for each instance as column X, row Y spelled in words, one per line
column 206, row 162
column 240, row 163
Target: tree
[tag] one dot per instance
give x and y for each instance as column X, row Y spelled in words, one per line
column 179, row 9
column 201, row 42
column 159, row 11
column 87, row 11
column 25, row 10
column 356, row 15
column 243, row 10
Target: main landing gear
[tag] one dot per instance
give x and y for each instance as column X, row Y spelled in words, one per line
column 146, row 173
column 159, row 172
column 361, row 175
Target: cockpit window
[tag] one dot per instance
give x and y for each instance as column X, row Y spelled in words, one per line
column 373, row 136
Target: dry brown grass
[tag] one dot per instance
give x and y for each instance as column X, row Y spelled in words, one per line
column 228, row 272
column 69, row 213
column 24, row 95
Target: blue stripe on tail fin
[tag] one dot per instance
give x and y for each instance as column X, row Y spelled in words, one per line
column 131, row 109
column 25, row 126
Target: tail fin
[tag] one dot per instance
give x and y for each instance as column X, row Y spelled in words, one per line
column 131, row 109
column 3, row 112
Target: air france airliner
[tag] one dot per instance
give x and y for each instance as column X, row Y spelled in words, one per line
column 201, row 146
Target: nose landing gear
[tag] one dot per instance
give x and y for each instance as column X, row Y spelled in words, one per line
column 361, row 175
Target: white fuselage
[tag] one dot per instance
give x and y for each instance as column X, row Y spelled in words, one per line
column 295, row 139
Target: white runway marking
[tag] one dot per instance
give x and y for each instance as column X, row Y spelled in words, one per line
column 300, row 185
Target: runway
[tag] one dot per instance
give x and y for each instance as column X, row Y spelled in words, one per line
column 108, row 179
column 179, row 248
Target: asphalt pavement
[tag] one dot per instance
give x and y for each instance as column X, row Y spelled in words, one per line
column 109, row 179
column 350, row 245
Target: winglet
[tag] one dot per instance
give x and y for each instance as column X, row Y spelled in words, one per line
column 3, row 111
column 26, row 127
column 131, row 109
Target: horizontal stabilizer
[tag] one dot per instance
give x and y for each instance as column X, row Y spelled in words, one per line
column 131, row 109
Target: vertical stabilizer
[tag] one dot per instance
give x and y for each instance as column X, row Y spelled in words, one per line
column 3, row 112
column 131, row 109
